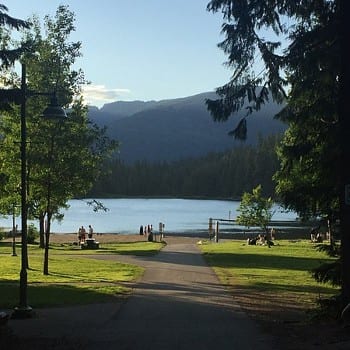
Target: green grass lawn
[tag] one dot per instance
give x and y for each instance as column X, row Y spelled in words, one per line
column 282, row 271
column 75, row 276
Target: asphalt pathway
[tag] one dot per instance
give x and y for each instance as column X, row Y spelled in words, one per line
column 178, row 304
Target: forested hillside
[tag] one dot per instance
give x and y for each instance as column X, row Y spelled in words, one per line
column 217, row 175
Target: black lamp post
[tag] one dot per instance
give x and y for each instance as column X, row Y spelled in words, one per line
column 53, row 111
column 14, row 231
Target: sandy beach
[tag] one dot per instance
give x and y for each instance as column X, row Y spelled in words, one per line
column 111, row 238
column 170, row 237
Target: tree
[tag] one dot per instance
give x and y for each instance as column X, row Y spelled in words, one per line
column 307, row 179
column 217, row 175
column 9, row 52
column 255, row 210
column 64, row 159
column 9, row 55
column 310, row 71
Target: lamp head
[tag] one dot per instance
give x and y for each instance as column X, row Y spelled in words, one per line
column 54, row 111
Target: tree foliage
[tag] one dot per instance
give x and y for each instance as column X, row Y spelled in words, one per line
column 296, row 44
column 217, row 175
column 255, row 209
column 9, row 54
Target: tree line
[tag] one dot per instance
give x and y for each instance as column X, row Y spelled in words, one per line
column 218, row 175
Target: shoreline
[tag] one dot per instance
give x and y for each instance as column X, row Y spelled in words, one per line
column 115, row 237
column 197, row 235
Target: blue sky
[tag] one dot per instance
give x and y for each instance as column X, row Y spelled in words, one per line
column 141, row 50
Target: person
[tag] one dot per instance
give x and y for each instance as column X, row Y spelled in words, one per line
column 91, row 231
column 163, row 235
column 261, row 239
column 83, row 234
column 141, row 230
column 251, row 241
column 314, row 233
column 79, row 235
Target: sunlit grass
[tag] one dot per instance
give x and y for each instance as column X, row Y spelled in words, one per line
column 283, row 269
column 75, row 277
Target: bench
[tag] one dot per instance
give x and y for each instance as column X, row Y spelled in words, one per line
column 90, row 243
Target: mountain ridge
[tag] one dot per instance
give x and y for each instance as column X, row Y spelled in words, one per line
column 174, row 129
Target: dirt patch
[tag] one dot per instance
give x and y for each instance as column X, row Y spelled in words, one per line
column 115, row 238
column 102, row 238
column 290, row 322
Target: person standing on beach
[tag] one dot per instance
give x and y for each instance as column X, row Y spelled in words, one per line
column 83, row 234
column 79, row 235
column 91, row 231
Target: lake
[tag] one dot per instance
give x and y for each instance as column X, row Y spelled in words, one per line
column 125, row 216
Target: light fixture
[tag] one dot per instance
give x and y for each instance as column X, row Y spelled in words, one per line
column 54, row 111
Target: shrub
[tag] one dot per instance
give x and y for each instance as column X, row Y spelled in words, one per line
column 32, row 234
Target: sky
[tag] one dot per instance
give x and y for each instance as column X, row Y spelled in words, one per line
column 141, row 49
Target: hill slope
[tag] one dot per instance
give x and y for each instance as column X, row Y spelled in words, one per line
column 176, row 129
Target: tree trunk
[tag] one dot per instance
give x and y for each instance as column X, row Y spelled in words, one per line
column 42, row 232
column 47, row 245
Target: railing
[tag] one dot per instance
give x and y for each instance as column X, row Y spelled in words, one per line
column 282, row 229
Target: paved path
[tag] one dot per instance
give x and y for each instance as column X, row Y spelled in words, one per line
column 178, row 304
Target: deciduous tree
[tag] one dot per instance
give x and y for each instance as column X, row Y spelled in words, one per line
column 255, row 210
column 64, row 158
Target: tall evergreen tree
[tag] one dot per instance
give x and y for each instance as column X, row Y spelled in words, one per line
column 309, row 72
column 10, row 54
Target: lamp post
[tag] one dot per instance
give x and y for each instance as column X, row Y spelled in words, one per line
column 53, row 111
column 14, row 231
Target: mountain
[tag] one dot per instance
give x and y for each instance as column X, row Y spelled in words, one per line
column 178, row 128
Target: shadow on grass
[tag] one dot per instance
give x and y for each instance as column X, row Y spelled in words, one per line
column 44, row 295
column 318, row 289
column 227, row 260
column 122, row 248
column 128, row 248
column 5, row 244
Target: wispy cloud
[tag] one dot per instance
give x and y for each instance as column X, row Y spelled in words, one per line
column 98, row 94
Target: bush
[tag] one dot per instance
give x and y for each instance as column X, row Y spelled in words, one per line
column 2, row 235
column 32, row 234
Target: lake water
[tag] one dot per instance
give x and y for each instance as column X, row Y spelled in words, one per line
column 126, row 215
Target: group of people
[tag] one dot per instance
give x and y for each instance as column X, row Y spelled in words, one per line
column 315, row 235
column 262, row 239
column 147, row 231
column 82, row 233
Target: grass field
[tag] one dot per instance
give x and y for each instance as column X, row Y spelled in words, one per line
column 260, row 278
column 75, row 276
column 275, row 280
